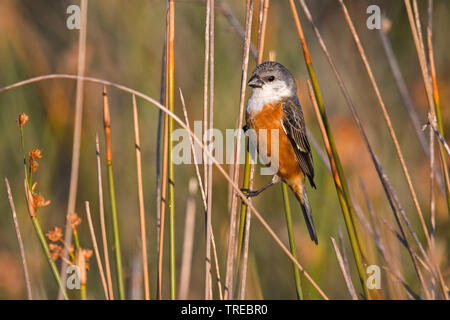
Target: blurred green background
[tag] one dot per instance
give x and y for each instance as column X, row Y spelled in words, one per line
column 124, row 45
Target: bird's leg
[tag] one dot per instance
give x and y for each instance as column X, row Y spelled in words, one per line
column 253, row 193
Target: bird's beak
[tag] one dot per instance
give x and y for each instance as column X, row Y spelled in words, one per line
column 255, row 82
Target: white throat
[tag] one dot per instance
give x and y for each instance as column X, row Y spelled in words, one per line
column 269, row 93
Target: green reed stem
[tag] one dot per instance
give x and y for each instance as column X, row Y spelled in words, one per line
column 287, row 211
column 246, row 185
column 44, row 246
column 112, row 195
column 338, row 172
column 171, row 198
column 83, row 291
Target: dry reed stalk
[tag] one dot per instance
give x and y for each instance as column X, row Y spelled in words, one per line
column 208, row 85
column 430, row 86
column 249, row 169
column 339, row 178
column 19, row 240
column 222, row 171
column 171, row 191
column 385, row 115
column 211, row 126
column 102, row 220
column 97, row 253
column 392, row 197
column 434, row 106
column 188, row 241
column 232, row 245
column 137, row 144
column 164, row 171
column 202, row 192
column 216, row 262
column 345, row 272
column 112, row 194
column 73, row 186
column 389, row 124
column 162, row 100
column 225, row 10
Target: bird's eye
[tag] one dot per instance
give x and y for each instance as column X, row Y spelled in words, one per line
column 271, row 78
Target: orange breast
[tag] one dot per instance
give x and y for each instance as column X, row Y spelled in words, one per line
column 270, row 117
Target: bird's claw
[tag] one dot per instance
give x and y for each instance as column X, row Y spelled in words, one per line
column 248, row 193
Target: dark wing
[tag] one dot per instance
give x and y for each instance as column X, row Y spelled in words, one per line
column 295, row 129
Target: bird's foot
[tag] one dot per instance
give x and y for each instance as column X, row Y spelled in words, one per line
column 250, row 193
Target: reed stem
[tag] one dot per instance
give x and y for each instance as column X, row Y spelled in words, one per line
column 112, row 195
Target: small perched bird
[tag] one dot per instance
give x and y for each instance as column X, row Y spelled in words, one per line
column 274, row 105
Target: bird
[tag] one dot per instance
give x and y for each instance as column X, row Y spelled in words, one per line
column 274, row 105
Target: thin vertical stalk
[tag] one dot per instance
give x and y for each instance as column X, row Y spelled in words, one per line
column 137, row 144
column 232, row 245
column 287, row 211
column 249, row 167
column 73, row 186
column 211, row 126
column 112, row 194
column 171, row 197
column 19, row 240
column 102, row 220
column 162, row 100
column 163, row 195
column 430, row 86
column 388, row 121
column 337, row 170
column 219, row 167
column 202, row 192
column 205, row 163
column 42, row 240
column 97, row 253
column 188, row 241
column 392, row 198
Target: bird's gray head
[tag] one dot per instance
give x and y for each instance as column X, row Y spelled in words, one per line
column 272, row 79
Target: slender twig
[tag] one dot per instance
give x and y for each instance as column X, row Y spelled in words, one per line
column 102, row 220
column 232, row 245
column 97, row 253
column 19, row 240
column 198, row 142
column 73, row 186
column 112, row 194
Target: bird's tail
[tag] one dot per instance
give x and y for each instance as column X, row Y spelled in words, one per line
column 307, row 213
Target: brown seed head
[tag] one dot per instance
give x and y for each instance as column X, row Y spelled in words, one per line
column 55, row 234
column 56, row 251
column 32, row 157
column 74, row 219
column 22, row 119
column 39, row 201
